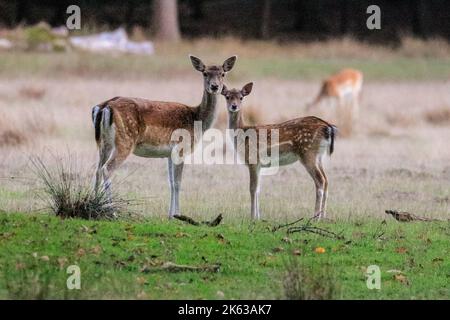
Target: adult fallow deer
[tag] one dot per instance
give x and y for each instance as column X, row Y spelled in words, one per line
column 306, row 139
column 345, row 86
column 144, row 128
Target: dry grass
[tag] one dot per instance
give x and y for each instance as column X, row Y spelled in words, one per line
column 402, row 119
column 439, row 116
column 32, row 92
column 346, row 47
column 22, row 128
column 360, row 168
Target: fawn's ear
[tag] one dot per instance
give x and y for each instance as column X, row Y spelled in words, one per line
column 224, row 90
column 197, row 63
column 247, row 89
column 229, row 63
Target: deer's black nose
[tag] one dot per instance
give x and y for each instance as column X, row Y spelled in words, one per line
column 233, row 107
column 214, row 87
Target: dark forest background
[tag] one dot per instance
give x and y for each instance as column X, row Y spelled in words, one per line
column 263, row 19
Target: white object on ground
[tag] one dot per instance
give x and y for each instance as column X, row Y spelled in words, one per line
column 5, row 44
column 112, row 41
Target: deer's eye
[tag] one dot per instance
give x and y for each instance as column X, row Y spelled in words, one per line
column 205, row 74
column 223, row 75
column 241, row 98
column 228, row 98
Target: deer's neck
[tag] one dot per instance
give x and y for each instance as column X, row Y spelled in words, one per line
column 206, row 111
column 235, row 120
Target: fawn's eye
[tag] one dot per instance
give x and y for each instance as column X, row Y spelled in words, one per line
column 205, row 74
column 228, row 98
column 223, row 75
column 241, row 98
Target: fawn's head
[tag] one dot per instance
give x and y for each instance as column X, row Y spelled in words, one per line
column 213, row 75
column 234, row 97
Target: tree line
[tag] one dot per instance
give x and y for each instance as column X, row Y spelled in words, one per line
column 254, row 19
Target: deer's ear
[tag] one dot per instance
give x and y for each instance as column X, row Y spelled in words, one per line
column 247, row 89
column 229, row 63
column 197, row 63
column 224, row 90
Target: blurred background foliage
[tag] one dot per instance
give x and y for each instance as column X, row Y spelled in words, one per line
column 305, row 20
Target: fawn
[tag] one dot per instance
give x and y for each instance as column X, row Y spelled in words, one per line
column 306, row 139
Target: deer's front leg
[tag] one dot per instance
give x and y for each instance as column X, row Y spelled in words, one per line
column 171, row 184
column 254, row 190
column 177, row 175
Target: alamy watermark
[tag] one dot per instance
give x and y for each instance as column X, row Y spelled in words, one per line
column 236, row 146
column 73, row 22
column 373, row 274
column 74, row 280
column 374, row 21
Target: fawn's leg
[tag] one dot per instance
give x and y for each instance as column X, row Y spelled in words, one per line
column 171, row 184
column 325, row 190
column 311, row 165
column 254, row 190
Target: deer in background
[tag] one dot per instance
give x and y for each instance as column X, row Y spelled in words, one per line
column 345, row 86
column 144, row 128
column 306, row 140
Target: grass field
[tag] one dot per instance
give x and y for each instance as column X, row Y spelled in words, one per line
column 397, row 158
column 116, row 259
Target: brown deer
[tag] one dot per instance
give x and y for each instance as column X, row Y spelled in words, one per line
column 305, row 139
column 144, row 128
column 345, row 86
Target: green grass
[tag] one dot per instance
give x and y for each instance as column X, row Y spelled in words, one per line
column 19, row 64
column 113, row 257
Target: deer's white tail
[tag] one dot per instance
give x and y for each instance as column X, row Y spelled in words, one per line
column 102, row 120
column 330, row 135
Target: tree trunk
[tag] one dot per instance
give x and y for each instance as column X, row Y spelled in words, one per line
column 265, row 21
column 165, row 20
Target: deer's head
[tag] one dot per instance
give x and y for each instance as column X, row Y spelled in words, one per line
column 234, row 97
column 213, row 75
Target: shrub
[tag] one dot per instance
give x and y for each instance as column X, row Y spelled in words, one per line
column 69, row 194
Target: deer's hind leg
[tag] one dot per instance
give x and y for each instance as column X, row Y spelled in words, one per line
column 313, row 166
column 325, row 189
column 118, row 155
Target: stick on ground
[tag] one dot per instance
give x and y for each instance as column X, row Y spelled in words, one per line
column 172, row 267
column 189, row 220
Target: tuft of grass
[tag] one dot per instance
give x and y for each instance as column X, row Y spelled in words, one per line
column 402, row 120
column 69, row 194
column 17, row 129
column 302, row 282
column 32, row 93
column 439, row 116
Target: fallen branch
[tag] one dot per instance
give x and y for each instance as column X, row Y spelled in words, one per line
column 172, row 267
column 408, row 217
column 307, row 227
column 281, row 226
column 189, row 220
column 316, row 230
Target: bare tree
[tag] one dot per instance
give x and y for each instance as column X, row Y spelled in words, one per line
column 165, row 20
